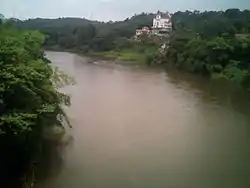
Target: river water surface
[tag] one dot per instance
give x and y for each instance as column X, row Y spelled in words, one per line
column 149, row 128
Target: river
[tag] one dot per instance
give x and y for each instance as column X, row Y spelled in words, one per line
column 150, row 128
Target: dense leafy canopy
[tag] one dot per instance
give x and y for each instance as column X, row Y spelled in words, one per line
column 213, row 43
column 29, row 100
column 216, row 43
column 84, row 35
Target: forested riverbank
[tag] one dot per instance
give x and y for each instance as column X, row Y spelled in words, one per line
column 213, row 43
column 30, row 104
column 140, row 126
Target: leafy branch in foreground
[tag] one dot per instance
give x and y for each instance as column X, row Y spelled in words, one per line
column 29, row 98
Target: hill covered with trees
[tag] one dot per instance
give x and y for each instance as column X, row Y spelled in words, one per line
column 212, row 43
column 83, row 35
column 215, row 43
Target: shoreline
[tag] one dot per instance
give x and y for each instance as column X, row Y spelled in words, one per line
column 107, row 56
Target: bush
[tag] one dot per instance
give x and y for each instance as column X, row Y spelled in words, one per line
column 29, row 99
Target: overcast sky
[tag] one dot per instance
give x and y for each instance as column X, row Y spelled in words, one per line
column 108, row 9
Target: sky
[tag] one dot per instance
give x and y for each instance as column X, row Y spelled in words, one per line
column 105, row 10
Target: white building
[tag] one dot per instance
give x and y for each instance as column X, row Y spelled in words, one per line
column 143, row 31
column 162, row 23
column 162, row 26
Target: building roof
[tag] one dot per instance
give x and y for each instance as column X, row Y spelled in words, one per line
column 164, row 15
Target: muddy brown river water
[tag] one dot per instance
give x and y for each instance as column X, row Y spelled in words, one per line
column 150, row 128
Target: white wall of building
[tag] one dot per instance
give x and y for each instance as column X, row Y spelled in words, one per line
column 162, row 26
column 160, row 22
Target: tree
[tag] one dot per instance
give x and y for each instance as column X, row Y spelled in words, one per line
column 1, row 19
column 202, row 42
column 29, row 101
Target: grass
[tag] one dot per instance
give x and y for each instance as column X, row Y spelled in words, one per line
column 242, row 36
column 123, row 55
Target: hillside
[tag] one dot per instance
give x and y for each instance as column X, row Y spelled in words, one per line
column 72, row 32
column 100, row 36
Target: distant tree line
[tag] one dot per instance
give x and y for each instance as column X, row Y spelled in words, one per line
column 215, row 43
column 84, row 35
column 100, row 36
column 212, row 43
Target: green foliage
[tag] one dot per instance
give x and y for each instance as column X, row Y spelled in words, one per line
column 124, row 55
column 233, row 73
column 26, row 87
column 212, row 43
column 29, row 99
column 84, row 35
column 201, row 42
column 213, row 23
column 154, row 58
column 130, row 50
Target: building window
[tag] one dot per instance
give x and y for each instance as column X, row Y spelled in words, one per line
column 158, row 17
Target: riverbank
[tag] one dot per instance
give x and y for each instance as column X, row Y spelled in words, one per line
column 138, row 54
column 57, row 48
column 35, row 106
column 150, row 57
column 122, row 55
column 128, row 133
